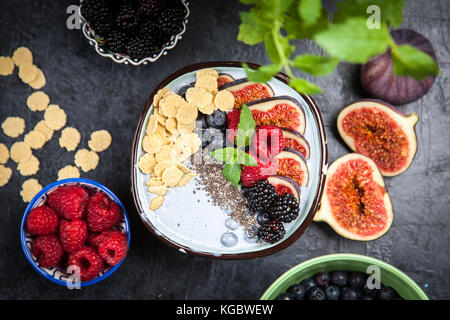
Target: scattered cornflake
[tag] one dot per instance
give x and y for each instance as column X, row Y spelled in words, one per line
column 187, row 113
column 159, row 95
column 161, row 166
column 151, row 143
column 169, row 106
column 100, row 140
column 35, row 139
column 171, row 176
column 5, row 175
column 158, row 190
column 70, row 138
column 6, row 66
column 38, row 101
column 159, row 117
column 185, row 180
column 199, row 97
column 166, row 152
column 207, row 72
column 86, row 159
column 171, row 125
column 22, row 55
column 4, row 154
column 207, row 82
column 207, row 109
column 156, row 181
column 224, row 100
column 13, row 126
column 183, row 168
column 28, row 72
column 68, row 172
column 156, row 202
column 43, row 128
column 186, row 128
column 55, row 117
column 20, row 151
column 39, row 82
column 146, row 163
column 28, row 167
column 30, row 188
column 152, row 124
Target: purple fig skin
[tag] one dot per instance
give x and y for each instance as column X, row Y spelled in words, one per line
column 295, row 188
column 379, row 81
column 226, row 75
column 302, row 158
column 241, row 81
column 304, row 143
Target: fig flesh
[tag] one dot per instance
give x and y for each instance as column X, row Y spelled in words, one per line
column 380, row 132
column 285, row 185
column 291, row 164
column 223, row 79
column 379, row 80
column 296, row 141
column 355, row 202
column 283, row 111
column 245, row 91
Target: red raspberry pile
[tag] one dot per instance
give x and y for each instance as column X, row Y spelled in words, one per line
column 78, row 228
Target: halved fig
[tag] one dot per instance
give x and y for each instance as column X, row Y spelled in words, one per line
column 245, row 91
column 291, row 164
column 381, row 132
column 223, row 79
column 283, row 111
column 355, row 202
column 285, row 185
column 296, row 141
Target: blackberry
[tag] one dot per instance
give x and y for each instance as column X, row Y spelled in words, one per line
column 98, row 14
column 117, row 41
column 150, row 34
column 271, row 231
column 137, row 49
column 149, row 7
column 285, row 208
column 127, row 17
column 170, row 21
column 260, row 196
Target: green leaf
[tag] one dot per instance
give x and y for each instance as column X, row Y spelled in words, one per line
column 232, row 172
column 251, row 30
column 304, row 86
column 310, row 11
column 409, row 61
column 296, row 29
column 275, row 47
column 246, row 128
column 246, row 159
column 263, row 73
column 391, row 11
column 315, row 65
column 276, row 8
column 352, row 41
column 226, row 155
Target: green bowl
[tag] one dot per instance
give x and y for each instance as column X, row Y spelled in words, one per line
column 390, row 276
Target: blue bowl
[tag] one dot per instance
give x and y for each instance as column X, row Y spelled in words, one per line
column 56, row 274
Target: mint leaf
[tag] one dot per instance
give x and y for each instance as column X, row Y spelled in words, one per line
column 276, row 8
column 232, row 172
column 296, row 29
column 277, row 48
column 391, row 11
column 251, row 30
column 310, row 11
column 410, row 61
column 246, row 127
column 315, row 65
column 226, row 155
column 304, row 86
column 246, row 159
column 352, row 41
column 263, row 73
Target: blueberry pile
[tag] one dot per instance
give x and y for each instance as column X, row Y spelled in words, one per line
column 337, row 285
column 137, row 28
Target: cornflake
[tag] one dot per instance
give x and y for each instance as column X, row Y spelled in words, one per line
column 28, row 167
column 68, row 172
column 158, row 190
column 70, row 138
column 55, row 117
column 5, row 175
column 6, row 66
column 28, row 72
column 20, row 151
column 100, row 140
column 13, row 126
column 187, row 113
column 171, row 176
column 30, row 188
column 146, row 163
column 43, row 128
column 151, row 143
column 38, row 101
column 4, row 154
column 199, row 97
column 35, row 139
column 224, row 100
column 86, row 160
column 159, row 95
column 22, row 55
column 39, row 82
column 156, row 202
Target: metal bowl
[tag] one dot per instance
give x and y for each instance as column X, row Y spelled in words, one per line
column 122, row 58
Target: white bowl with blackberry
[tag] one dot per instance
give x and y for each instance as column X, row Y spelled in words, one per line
column 133, row 31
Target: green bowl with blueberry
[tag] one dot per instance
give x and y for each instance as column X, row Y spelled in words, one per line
column 344, row 276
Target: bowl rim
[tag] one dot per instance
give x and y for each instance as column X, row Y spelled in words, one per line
column 30, row 206
column 87, row 32
column 244, row 255
column 343, row 256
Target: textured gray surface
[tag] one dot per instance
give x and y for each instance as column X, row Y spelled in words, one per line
column 99, row 94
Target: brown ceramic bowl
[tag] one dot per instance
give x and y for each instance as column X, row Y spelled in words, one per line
column 193, row 226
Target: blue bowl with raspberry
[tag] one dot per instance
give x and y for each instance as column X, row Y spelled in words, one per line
column 75, row 232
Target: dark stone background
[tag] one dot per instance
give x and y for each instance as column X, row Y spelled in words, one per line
column 100, row 94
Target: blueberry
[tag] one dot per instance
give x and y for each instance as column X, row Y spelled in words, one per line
column 285, row 296
column 322, row 279
column 369, row 292
column 202, row 119
column 356, row 279
column 316, row 293
column 297, row 291
column 262, row 218
column 207, row 137
column 365, row 297
column 217, row 120
column 339, row 278
column 349, row 294
column 182, row 90
column 332, row 292
column 308, row 283
column 387, row 293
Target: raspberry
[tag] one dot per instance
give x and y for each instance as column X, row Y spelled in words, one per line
column 102, row 213
column 42, row 220
column 72, row 234
column 47, row 250
column 69, row 201
column 88, row 261
column 251, row 174
column 233, row 118
column 113, row 248
column 268, row 141
column 95, row 239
